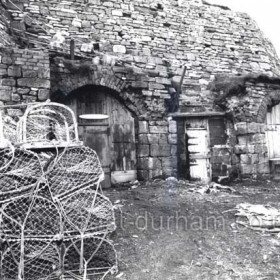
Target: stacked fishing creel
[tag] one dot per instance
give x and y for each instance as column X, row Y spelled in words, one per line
column 54, row 221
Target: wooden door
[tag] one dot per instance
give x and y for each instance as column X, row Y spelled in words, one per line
column 113, row 139
column 198, row 151
column 273, row 132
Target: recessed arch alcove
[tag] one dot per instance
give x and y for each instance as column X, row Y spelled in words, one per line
column 114, row 138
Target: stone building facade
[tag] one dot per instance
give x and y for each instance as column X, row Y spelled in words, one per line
column 185, row 70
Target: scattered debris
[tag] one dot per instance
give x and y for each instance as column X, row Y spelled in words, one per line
column 258, row 217
column 213, row 188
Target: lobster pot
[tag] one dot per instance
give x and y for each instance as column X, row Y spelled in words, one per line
column 39, row 260
column 93, row 257
column 72, row 170
column 88, row 212
column 48, row 125
column 20, row 172
column 30, row 217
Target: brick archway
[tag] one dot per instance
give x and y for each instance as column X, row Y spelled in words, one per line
column 64, row 83
column 270, row 100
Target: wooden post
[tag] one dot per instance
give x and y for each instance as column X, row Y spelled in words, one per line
column 182, row 77
column 175, row 106
column 72, row 49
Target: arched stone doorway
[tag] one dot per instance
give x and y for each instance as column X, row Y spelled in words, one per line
column 114, row 138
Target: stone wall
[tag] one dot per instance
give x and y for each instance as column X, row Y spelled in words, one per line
column 157, row 149
column 24, row 75
column 156, row 134
column 251, row 148
column 138, row 49
column 5, row 34
column 158, row 37
column 247, row 102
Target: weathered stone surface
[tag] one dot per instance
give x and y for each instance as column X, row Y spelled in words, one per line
column 149, row 163
column 158, row 129
column 172, row 126
column 34, row 82
column 163, row 140
column 172, row 139
column 143, row 139
column 170, row 162
column 14, row 71
column 5, row 95
column 153, row 138
column 241, row 128
column 8, row 82
column 160, row 150
column 43, row 94
column 143, row 127
column 119, row 49
column 143, row 150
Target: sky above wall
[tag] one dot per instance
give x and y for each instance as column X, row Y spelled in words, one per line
column 264, row 12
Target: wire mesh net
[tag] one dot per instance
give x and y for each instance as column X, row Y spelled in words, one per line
column 20, row 171
column 54, row 218
column 10, row 129
column 88, row 212
column 73, row 169
column 48, row 123
column 93, row 256
column 38, row 260
column 30, row 217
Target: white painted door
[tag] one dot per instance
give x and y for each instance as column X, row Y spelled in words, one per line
column 273, row 132
column 199, row 159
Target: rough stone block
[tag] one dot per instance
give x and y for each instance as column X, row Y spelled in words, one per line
column 163, row 139
column 253, row 127
column 245, row 159
column 242, row 140
column 143, row 139
column 34, row 82
column 7, row 60
column 3, row 72
column 143, row 150
column 172, row 127
column 119, row 49
column 170, row 162
column 258, row 138
column 240, row 149
column 5, row 95
column 143, row 127
column 247, row 169
column 29, row 73
column 14, row 71
column 172, row 139
column 168, row 172
column 16, row 97
column 14, row 112
column 158, row 129
column 241, row 128
column 10, row 82
column 118, row 13
column 156, row 86
column 153, row 138
column 173, row 150
column 263, row 168
column 23, row 91
column 255, row 158
column 143, row 175
column 235, row 159
column 149, row 163
column 43, row 94
column 160, row 150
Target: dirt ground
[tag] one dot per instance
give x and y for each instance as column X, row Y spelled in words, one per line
column 168, row 231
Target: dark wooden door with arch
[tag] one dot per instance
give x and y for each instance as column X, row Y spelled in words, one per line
column 113, row 139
